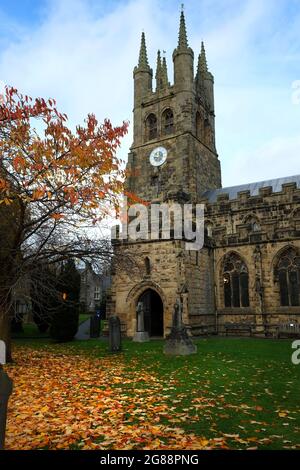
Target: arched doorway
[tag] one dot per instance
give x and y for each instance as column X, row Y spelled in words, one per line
column 153, row 312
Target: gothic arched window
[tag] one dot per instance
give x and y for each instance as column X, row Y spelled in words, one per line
column 254, row 225
column 289, row 278
column 151, row 127
column 236, row 282
column 208, row 229
column 147, row 266
column 167, row 122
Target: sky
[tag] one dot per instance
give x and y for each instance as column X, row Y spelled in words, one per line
column 82, row 53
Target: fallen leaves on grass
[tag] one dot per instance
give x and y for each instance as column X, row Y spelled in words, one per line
column 66, row 401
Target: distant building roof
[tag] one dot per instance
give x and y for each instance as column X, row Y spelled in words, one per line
column 233, row 191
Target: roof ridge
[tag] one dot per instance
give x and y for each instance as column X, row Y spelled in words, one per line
column 234, row 190
column 263, row 181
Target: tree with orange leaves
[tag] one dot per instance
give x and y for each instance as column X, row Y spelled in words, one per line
column 55, row 185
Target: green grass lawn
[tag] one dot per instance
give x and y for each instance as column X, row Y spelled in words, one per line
column 83, row 317
column 30, row 330
column 246, row 389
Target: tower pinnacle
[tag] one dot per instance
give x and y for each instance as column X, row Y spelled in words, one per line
column 183, row 58
column 164, row 74
column 182, row 37
column 143, row 59
column 202, row 69
column 142, row 74
column 159, row 72
column 202, row 63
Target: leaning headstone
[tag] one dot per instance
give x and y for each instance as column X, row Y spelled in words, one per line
column 178, row 342
column 5, row 392
column 2, row 352
column 114, row 325
column 141, row 336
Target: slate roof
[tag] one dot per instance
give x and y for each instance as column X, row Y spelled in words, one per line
column 233, row 191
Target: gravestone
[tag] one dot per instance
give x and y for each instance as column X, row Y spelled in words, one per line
column 178, row 342
column 177, row 315
column 114, row 326
column 95, row 325
column 2, row 352
column 5, row 392
column 141, row 336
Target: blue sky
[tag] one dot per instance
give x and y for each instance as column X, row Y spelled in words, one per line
column 82, row 53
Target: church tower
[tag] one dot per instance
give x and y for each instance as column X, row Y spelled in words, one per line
column 173, row 155
column 173, row 158
column 246, row 277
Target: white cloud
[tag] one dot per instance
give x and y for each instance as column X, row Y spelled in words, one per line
column 267, row 162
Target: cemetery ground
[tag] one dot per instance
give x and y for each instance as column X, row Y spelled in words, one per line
column 235, row 393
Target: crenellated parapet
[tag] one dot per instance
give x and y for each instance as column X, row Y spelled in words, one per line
column 255, row 215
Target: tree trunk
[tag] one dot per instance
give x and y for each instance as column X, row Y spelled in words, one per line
column 5, row 333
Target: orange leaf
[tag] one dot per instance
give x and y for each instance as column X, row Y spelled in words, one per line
column 19, row 163
column 57, row 216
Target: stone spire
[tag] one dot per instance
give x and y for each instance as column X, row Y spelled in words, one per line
column 183, row 58
column 205, row 80
column 165, row 81
column 202, row 63
column 182, row 37
column 142, row 74
column 159, row 72
column 143, row 59
column 202, row 70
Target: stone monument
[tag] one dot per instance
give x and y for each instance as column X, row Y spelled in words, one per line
column 6, row 386
column 178, row 342
column 115, row 342
column 2, row 352
column 141, row 336
column 95, row 325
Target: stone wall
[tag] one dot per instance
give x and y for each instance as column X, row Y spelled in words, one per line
column 232, row 229
column 173, row 270
column 128, row 285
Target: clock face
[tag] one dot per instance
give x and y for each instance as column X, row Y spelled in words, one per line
column 158, row 156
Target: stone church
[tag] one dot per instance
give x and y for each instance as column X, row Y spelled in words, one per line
column 247, row 275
